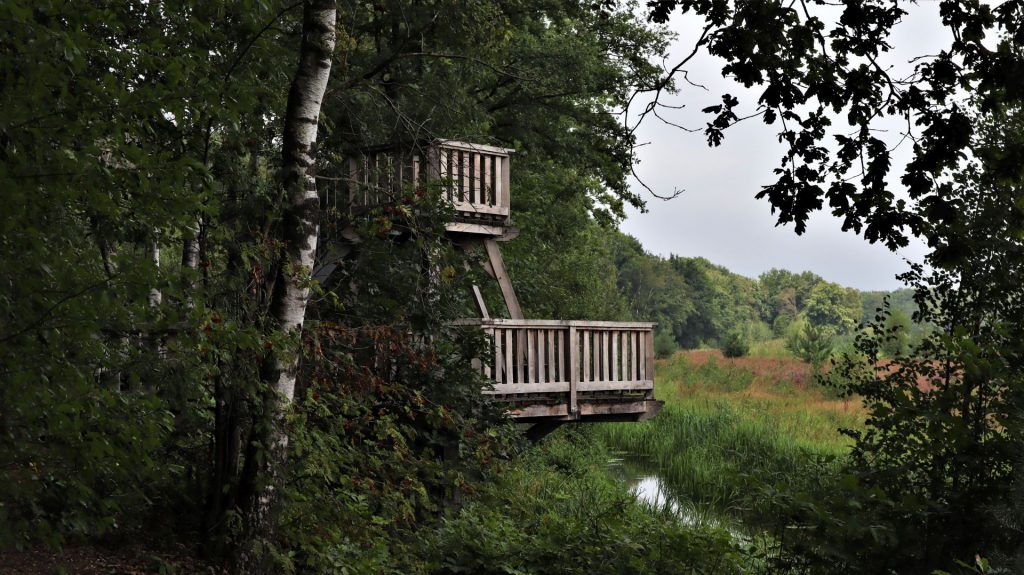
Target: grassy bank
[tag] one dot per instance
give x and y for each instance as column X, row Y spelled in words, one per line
column 555, row 509
column 731, row 427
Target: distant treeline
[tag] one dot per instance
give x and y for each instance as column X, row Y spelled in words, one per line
column 700, row 303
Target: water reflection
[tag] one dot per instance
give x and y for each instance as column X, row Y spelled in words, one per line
column 640, row 474
column 650, row 490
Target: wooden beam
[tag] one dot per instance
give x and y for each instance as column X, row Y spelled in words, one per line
column 584, row 324
column 615, row 385
column 498, row 265
column 634, row 410
column 478, row 229
column 481, row 306
column 471, row 147
column 530, row 388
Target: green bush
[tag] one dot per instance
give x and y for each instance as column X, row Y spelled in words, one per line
column 735, row 345
column 664, row 345
column 811, row 343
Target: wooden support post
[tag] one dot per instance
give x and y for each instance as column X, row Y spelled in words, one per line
column 498, row 266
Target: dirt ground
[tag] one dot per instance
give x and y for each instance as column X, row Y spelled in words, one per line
column 96, row 560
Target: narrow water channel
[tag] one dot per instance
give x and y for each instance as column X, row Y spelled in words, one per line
column 640, row 474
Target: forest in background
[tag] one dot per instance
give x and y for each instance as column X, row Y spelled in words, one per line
column 695, row 302
column 175, row 389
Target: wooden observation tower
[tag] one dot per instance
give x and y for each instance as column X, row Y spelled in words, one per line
column 548, row 372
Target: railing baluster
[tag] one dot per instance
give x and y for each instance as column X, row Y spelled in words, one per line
column 552, row 371
column 478, row 180
column 574, row 368
column 520, row 354
column 542, row 359
column 499, row 373
column 563, row 355
column 586, row 355
column 632, row 358
column 604, row 355
column 485, row 180
column 634, row 353
column 649, row 360
column 642, row 353
column 531, row 356
column 464, row 177
column 486, row 368
column 498, row 188
column 509, row 366
column 614, row 375
column 625, row 336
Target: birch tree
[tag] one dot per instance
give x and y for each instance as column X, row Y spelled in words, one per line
column 299, row 238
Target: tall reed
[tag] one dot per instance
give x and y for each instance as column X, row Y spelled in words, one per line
column 733, row 427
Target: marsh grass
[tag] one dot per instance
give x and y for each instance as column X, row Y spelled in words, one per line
column 732, row 428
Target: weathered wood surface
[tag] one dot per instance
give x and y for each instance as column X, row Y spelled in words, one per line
column 501, row 275
column 475, row 180
column 566, row 358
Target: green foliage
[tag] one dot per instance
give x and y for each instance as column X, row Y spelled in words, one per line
column 704, row 304
column 664, row 345
column 735, row 345
column 897, row 328
column 556, row 510
column 139, row 154
column 833, row 308
column 811, row 343
column 936, row 469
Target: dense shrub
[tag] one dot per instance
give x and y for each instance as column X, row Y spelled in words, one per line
column 664, row 345
column 735, row 345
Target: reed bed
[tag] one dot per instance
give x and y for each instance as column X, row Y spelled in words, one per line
column 732, row 427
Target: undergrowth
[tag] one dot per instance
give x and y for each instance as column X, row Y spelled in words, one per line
column 555, row 509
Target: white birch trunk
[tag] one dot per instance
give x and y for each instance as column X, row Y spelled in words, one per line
column 299, row 231
column 155, row 295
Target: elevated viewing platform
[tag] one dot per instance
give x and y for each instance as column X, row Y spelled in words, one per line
column 475, row 179
column 547, row 372
column 571, row 370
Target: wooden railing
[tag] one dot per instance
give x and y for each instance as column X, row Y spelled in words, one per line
column 551, row 356
column 475, row 176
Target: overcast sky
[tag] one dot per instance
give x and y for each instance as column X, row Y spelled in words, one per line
column 717, row 216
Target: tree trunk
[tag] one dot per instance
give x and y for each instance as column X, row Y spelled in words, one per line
column 291, row 291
